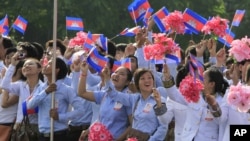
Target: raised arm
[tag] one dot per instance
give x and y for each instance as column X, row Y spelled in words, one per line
column 82, row 92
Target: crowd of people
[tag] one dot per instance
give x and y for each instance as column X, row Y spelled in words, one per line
column 143, row 102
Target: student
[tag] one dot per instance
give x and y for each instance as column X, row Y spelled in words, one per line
column 114, row 115
column 64, row 96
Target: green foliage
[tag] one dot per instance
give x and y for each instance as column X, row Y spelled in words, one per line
column 109, row 16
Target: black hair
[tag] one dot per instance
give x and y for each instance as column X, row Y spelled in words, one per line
column 216, row 76
column 59, row 44
column 121, row 47
column 7, row 43
column 10, row 50
column 132, row 56
column 32, row 52
column 137, row 75
column 63, row 69
column 40, row 49
column 111, row 48
column 18, row 66
column 111, row 60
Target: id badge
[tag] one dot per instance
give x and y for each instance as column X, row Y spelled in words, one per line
column 117, row 106
column 209, row 116
column 147, row 108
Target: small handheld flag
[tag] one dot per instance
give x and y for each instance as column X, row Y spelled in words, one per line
column 137, row 9
column 73, row 23
column 193, row 21
column 20, row 24
column 158, row 18
column 130, row 31
column 4, row 26
column 238, row 17
column 96, row 61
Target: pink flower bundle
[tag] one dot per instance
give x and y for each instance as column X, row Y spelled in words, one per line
column 78, row 40
column 190, row 88
column 175, row 22
column 132, row 139
column 162, row 45
column 217, row 26
column 240, row 49
column 239, row 96
column 99, row 132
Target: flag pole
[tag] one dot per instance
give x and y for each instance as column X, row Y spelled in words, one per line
column 114, row 37
column 134, row 16
column 53, row 67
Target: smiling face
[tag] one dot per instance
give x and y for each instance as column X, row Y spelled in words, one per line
column 144, row 80
column 31, row 67
column 120, row 78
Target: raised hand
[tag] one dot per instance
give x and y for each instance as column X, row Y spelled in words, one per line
column 84, row 67
column 51, row 88
column 200, row 48
column 166, row 72
column 157, row 98
column 211, row 46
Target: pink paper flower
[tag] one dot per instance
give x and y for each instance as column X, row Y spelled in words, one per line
column 191, row 88
column 240, row 49
column 239, row 96
column 78, row 40
column 99, row 132
column 217, row 26
column 132, row 139
column 174, row 21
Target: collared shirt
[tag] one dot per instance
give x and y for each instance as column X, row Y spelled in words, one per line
column 64, row 96
column 86, row 110
column 113, row 114
column 21, row 89
column 144, row 118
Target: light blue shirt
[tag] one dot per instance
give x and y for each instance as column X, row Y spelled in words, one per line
column 114, row 116
column 144, row 118
column 64, row 96
column 86, row 109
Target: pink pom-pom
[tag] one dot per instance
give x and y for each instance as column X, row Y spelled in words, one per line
column 132, row 139
column 190, row 88
column 217, row 26
column 78, row 40
column 240, row 49
column 174, row 21
column 99, row 132
column 239, row 96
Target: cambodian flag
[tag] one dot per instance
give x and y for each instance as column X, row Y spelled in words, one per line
column 228, row 38
column 126, row 62
column 96, row 61
column 193, row 21
column 238, row 17
column 137, row 9
column 176, row 56
column 20, row 24
column 88, row 44
column 27, row 111
column 130, row 31
column 100, row 40
column 73, row 23
column 198, row 66
column 158, row 18
column 4, row 26
column 147, row 16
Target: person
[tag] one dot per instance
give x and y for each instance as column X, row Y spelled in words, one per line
column 26, row 50
column 239, row 76
column 112, row 114
column 64, row 96
column 144, row 119
column 23, row 89
column 120, row 49
column 60, row 49
column 8, row 101
column 202, row 118
column 5, row 43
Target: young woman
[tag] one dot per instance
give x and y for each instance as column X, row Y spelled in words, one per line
column 64, row 96
column 202, row 122
column 114, row 115
column 145, row 122
column 23, row 89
